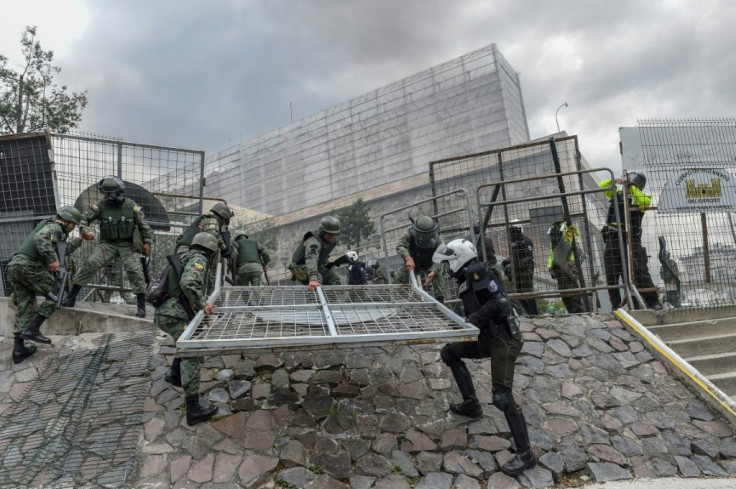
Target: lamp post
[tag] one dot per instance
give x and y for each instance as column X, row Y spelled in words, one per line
column 558, row 109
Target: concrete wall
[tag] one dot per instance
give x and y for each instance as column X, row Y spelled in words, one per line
column 469, row 104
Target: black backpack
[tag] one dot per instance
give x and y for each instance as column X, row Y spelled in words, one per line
column 158, row 290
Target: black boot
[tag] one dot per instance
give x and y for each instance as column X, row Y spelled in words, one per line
column 141, row 312
column 198, row 410
column 20, row 351
column 71, row 296
column 173, row 376
column 525, row 458
column 470, row 405
column 33, row 331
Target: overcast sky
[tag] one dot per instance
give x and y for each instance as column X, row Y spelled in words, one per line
column 209, row 74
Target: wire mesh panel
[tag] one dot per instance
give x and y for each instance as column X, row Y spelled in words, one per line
column 41, row 173
column 286, row 317
column 80, row 423
column 532, row 187
column 690, row 169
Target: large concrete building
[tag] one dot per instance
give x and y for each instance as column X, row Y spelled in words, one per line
column 377, row 145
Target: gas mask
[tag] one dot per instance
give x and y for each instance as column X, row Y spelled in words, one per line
column 114, row 199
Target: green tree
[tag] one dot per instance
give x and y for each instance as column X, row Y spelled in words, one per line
column 355, row 223
column 30, row 100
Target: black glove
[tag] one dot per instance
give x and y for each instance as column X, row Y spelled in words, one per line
column 226, row 253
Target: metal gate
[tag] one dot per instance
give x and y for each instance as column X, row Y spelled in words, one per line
column 41, row 172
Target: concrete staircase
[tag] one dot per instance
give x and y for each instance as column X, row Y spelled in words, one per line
column 708, row 342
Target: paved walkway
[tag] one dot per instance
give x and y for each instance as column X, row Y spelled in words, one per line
column 599, row 408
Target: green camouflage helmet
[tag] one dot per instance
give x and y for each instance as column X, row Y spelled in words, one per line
column 222, row 211
column 207, row 241
column 425, row 224
column 329, row 224
column 239, row 233
column 111, row 184
column 70, row 213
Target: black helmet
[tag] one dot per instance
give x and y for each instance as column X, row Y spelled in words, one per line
column 70, row 213
column 111, row 184
column 425, row 232
column 222, row 211
column 638, row 180
column 207, row 241
column 329, row 224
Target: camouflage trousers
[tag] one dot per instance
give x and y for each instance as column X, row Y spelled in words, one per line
column 438, row 281
column 190, row 367
column 299, row 273
column 250, row 273
column 104, row 254
column 29, row 278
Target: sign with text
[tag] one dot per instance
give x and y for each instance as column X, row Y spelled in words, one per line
column 699, row 190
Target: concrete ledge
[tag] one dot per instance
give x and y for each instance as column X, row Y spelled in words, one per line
column 674, row 316
column 86, row 317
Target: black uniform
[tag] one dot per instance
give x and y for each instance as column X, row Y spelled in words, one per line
column 522, row 261
column 614, row 251
column 484, row 299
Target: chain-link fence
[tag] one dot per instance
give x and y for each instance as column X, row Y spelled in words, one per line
column 690, row 169
column 42, row 172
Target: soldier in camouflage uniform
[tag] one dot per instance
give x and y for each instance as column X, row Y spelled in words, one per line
column 215, row 222
column 29, row 272
column 251, row 258
column 311, row 254
column 172, row 317
column 119, row 217
column 416, row 248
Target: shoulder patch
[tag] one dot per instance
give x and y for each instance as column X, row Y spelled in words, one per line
column 492, row 287
column 198, row 266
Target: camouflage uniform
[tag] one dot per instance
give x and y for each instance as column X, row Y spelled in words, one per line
column 309, row 260
column 251, row 257
column 116, row 239
column 422, row 264
column 206, row 223
column 30, row 276
column 172, row 318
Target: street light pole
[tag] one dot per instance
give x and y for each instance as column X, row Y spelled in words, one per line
column 558, row 109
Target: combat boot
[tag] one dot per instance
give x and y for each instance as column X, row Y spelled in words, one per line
column 141, row 312
column 173, row 376
column 198, row 410
column 20, row 351
column 33, row 331
column 470, row 406
column 71, row 296
column 525, row 458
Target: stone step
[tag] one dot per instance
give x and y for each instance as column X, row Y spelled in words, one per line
column 714, row 364
column 705, row 345
column 694, row 329
column 726, row 382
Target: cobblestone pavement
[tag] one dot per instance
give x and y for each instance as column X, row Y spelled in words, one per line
column 599, row 406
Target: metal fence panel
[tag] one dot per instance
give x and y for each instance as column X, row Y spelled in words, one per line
column 42, row 172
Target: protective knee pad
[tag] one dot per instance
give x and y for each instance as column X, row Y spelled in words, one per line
column 503, row 399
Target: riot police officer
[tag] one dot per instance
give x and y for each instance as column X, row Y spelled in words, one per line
column 119, row 218
column 29, row 273
column 309, row 260
column 488, row 308
column 519, row 268
column 614, row 251
column 416, row 248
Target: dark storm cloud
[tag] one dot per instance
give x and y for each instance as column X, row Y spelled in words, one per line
column 209, row 74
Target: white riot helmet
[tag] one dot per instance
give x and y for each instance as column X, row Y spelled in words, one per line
column 352, row 256
column 458, row 252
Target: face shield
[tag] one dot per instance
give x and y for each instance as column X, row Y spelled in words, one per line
column 115, row 198
column 425, row 239
column 458, row 253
